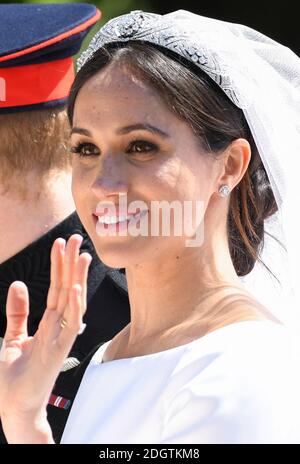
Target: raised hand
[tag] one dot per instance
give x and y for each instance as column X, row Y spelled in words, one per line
column 29, row 366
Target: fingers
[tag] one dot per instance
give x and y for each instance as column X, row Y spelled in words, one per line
column 69, row 271
column 81, row 277
column 68, row 268
column 56, row 274
column 73, row 318
column 17, row 310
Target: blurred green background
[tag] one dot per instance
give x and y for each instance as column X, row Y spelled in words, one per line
column 279, row 20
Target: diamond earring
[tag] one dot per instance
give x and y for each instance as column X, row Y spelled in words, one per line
column 224, row 191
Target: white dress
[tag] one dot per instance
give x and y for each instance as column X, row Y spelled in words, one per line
column 237, row 384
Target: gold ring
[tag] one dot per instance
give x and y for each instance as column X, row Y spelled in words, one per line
column 63, row 323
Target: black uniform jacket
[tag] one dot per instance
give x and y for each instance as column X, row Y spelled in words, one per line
column 107, row 312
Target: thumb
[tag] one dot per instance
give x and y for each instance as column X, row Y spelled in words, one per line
column 17, row 310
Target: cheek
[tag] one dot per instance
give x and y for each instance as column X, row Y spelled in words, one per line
column 182, row 179
column 195, row 181
column 181, row 182
column 178, row 184
column 164, row 180
column 80, row 182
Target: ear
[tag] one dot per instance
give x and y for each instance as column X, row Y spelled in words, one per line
column 236, row 159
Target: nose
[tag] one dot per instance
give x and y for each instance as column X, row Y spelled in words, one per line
column 111, row 178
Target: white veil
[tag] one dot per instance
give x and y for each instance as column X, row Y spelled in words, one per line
column 262, row 77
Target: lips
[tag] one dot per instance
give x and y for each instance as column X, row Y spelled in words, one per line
column 115, row 212
column 116, row 219
column 113, row 219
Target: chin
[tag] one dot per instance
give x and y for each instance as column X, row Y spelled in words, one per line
column 117, row 255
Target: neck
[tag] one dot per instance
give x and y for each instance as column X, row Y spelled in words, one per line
column 24, row 220
column 189, row 290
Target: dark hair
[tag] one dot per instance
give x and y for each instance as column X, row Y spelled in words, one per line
column 195, row 98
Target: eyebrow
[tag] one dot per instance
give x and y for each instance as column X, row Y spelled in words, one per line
column 125, row 130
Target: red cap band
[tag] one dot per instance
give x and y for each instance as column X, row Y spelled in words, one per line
column 36, row 83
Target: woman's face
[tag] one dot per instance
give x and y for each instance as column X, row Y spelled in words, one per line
column 133, row 148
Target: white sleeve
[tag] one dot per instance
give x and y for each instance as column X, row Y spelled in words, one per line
column 237, row 399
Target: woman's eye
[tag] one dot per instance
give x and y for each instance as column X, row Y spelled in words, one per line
column 85, row 150
column 141, row 146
